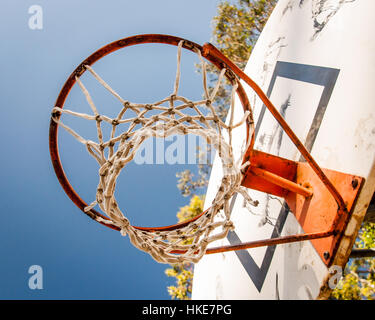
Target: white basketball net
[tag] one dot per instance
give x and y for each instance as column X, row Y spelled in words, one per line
column 188, row 243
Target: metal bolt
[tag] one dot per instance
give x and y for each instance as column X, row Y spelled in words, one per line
column 354, row 183
column 326, row 255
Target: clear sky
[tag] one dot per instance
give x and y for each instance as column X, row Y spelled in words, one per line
column 40, row 225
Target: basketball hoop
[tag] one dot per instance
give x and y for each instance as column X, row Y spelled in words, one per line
column 297, row 182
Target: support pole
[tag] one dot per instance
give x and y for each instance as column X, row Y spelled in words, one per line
column 362, row 253
column 282, row 182
column 271, row 242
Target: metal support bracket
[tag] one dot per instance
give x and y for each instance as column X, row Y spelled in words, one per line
column 321, row 199
column 309, row 200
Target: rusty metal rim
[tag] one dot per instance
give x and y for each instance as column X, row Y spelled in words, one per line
column 107, row 49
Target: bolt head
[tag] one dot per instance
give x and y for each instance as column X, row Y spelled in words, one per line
column 355, row 183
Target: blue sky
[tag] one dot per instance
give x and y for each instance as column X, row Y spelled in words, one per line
column 40, row 225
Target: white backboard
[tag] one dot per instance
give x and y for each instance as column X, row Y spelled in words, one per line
column 315, row 61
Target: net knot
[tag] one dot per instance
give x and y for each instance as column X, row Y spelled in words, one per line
column 184, row 130
column 124, row 136
column 204, row 242
column 124, row 227
column 210, row 227
column 103, row 174
column 229, row 224
column 171, row 111
column 145, row 247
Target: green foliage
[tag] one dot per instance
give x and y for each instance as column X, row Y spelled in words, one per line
column 184, row 272
column 238, row 26
column 367, row 236
column 358, row 282
column 184, row 278
column 186, row 183
column 192, row 210
column 347, row 289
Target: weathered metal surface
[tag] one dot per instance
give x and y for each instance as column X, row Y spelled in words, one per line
column 321, row 211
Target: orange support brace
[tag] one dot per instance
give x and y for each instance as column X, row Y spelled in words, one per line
column 282, row 182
